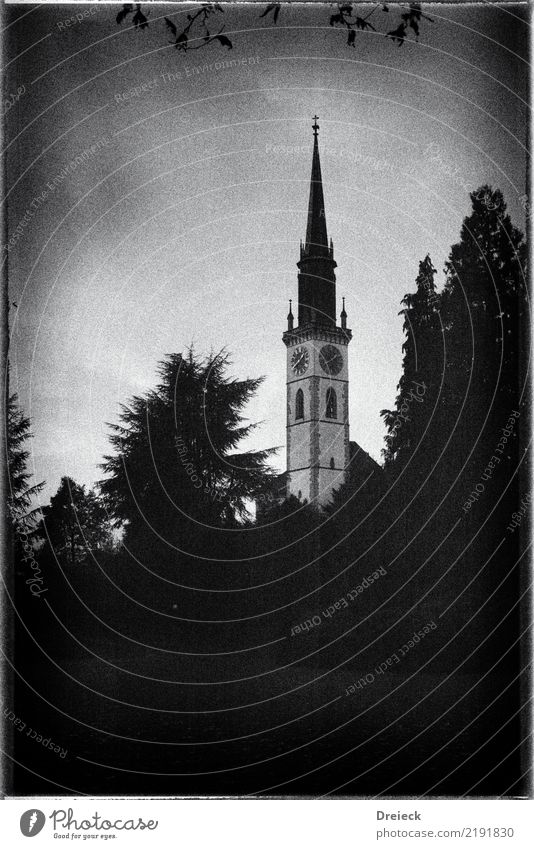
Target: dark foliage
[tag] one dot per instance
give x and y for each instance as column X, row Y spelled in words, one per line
column 175, row 471
column 75, row 523
column 421, row 370
column 22, row 493
column 396, row 550
column 197, row 33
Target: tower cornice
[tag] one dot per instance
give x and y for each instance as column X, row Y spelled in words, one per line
column 317, row 332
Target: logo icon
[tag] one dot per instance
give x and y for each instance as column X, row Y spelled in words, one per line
column 31, row 822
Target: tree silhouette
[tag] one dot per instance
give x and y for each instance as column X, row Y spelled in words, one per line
column 484, row 309
column 421, row 370
column 175, row 462
column 21, row 493
column 75, row 522
column 464, row 372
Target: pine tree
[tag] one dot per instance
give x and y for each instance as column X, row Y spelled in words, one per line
column 175, row 463
column 484, row 309
column 75, row 522
column 420, row 381
column 21, row 493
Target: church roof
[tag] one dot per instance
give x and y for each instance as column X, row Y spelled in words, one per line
column 316, row 235
column 361, row 464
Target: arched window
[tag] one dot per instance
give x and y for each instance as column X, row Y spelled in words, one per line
column 332, row 464
column 331, row 403
column 299, row 404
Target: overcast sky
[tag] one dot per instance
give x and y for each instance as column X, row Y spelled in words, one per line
column 182, row 223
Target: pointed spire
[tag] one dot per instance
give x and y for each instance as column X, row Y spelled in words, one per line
column 343, row 317
column 316, row 235
column 290, row 317
column 317, row 280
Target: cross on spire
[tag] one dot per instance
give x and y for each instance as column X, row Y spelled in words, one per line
column 316, row 236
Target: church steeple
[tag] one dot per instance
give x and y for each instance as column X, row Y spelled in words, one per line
column 317, row 289
column 318, row 443
column 316, row 235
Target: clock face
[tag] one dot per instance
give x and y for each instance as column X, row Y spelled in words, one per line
column 331, row 359
column 300, row 360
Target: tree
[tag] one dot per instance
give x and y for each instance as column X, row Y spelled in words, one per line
column 175, row 463
column 420, row 380
column 21, row 493
column 463, row 370
column 463, row 380
column 75, row 522
column 484, row 312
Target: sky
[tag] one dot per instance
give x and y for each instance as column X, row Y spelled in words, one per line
column 157, row 198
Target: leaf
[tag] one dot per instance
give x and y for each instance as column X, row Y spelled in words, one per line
column 222, row 39
column 181, row 41
column 274, row 8
column 336, row 19
column 171, row 26
column 346, row 10
column 139, row 21
column 385, row 7
column 124, row 12
column 398, row 34
column 351, row 37
column 413, row 17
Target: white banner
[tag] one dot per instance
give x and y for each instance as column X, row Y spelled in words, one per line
column 262, row 824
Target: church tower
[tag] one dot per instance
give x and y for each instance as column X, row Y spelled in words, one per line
column 318, row 448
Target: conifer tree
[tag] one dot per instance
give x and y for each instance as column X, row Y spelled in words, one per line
column 484, row 309
column 175, row 462
column 75, row 522
column 21, row 492
column 419, row 384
